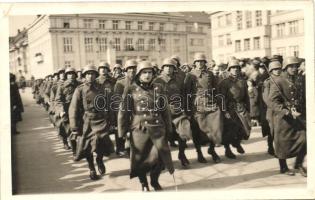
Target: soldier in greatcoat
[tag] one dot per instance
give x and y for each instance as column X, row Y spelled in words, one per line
column 46, row 92
column 53, row 90
column 237, row 107
column 80, row 79
column 130, row 68
column 118, row 71
column 90, row 102
column 176, row 97
column 145, row 115
column 63, row 98
column 203, row 107
column 287, row 99
column 16, row 104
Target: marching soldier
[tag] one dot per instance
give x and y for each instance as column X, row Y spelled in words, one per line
column 204, row 108
column 174, row 90
column 46, row 92
column 104, row 79
column 236, row 105
column 53, row 90
column 62, row 102
column 144, row 113
column 91, row 103
column 287, row 99
column 118, row 72
column 80, row 79
column 122, row 83
column 186, row 68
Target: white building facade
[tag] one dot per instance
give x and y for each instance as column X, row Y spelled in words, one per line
column 76, row 40
column 287, row 33
column 243, row 34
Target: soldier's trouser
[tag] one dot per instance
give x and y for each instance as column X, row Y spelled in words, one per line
column 143, row 179
column 181, row 145
column 89, row 159
column 283, row 164
column 155, row 173
column 300, row 158
column 120, row 143
column 270, row 141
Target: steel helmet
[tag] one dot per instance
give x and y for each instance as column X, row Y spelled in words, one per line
column 88, row 68
column 168, row 61
column 291, row 60
column 144, row 65
column 233, row 63
column 116, row 66
column 176, row 58
column 200, row 57
column 103, row 65
column 274, row 65
column 130, row 63
column 70, row 70
column 61, row 70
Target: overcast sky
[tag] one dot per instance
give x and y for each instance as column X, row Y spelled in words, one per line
column 18, row 22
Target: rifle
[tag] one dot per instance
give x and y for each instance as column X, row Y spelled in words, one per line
column 287, row 102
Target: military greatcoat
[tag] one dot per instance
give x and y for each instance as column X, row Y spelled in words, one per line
column 289, row 134
column 144, row 113
column 203, row 103
column 90, row 103
column 237, row 105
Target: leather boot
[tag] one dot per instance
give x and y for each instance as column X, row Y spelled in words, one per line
column 200, row 158
column 229, row 153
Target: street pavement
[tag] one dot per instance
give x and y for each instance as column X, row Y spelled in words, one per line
column 41, row 165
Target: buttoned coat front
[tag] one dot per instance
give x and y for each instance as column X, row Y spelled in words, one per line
column 145, row 115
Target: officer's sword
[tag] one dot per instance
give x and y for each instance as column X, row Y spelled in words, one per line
column 175, row 182
column 282, row 95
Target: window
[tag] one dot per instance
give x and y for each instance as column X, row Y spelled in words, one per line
column 239, row 20
column 102, row 44
column 115, row 24
column 256, row 42
column 161, row 27
column 175, row 26
column 67, row 44
column 228, row 19
column 128, row 25
column 220, row 21
column 294, row 51
column 140, row 26
column 140, row 44
column 221, row 41
column 281, row 51
column 248, row 18
column 151, row 26
column 200, row 29
column 151, row 44
column 280, row 29
column 87, row 23
column 101, row 24
column 66, row 23
column 188, row 28
column 176, row 45
column 162, row 43
column 68, row 63
column 267, row 42
column 129, row 44
column 228, row 39
column 117, row 44
column 88, row 42
column 246, row 44
column 237, row 45
column 258, row 18
column 293, row 27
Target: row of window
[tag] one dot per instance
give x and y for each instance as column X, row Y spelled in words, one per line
column 293, row 51
column 129, row 45
column 88, row 23
column 247, row 44
column 226, row 20
column 293, row 28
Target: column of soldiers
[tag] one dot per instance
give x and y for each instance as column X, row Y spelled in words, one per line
column 148, row 107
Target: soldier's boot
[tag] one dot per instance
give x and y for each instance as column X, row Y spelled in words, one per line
column 271, row 150
column 100, row 164
column 284, row 169
column 228, row 152
column 93, row 175
column 144, row 183
column 65, row 143
column 181, row 154
column 154, row 178
column 200, row 156
column 211, row 151
column 73, row 147
column 239, row 148
column 299, row 163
